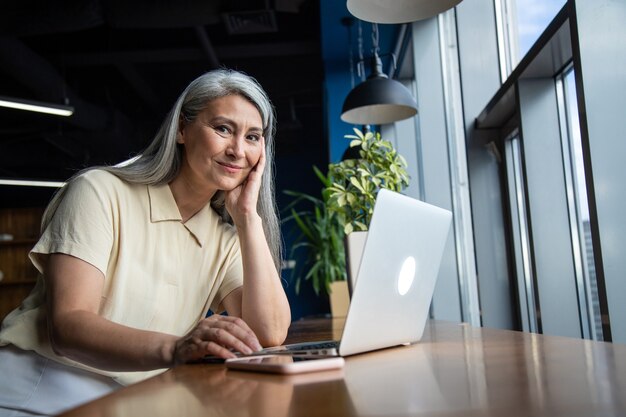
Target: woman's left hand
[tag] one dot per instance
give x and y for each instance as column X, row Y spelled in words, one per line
column 216, row 335
column 241, row 201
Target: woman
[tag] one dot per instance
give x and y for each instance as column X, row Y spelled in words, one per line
column 132, row 257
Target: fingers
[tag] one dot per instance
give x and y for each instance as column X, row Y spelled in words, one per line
column 219, row 336
column 231, row 336
column 242, row 200
column 260, row 166
column 253, row 182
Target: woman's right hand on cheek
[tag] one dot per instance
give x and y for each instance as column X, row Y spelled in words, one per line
column 218, row 336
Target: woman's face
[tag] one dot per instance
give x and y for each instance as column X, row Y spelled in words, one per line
column 222, row 144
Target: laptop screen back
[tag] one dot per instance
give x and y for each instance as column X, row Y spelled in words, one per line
column 397, row 274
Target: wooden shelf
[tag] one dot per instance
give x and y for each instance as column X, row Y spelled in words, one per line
column 20, row 276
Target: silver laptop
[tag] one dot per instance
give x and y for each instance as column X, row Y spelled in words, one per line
column 395, row 281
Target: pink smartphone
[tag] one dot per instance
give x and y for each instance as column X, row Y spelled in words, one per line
column 284, row 364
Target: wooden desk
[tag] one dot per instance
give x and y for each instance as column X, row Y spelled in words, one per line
column 457, row 370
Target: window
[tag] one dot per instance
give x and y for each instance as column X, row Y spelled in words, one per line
column 535, row 273
column 519, row 23
column 547, row 227
column 523, row 272
column 563, row 176
column 578, row 207
column 532, row 18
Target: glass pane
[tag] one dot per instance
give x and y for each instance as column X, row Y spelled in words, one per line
column 533, row 16
column 520, row 236
column 581, row 210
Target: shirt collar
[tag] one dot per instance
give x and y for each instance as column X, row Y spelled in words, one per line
column 163, row 208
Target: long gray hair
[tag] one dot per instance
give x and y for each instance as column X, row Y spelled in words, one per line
column 160, row 162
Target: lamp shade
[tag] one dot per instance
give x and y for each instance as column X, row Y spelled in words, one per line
column 378, row 100
column 398, row 11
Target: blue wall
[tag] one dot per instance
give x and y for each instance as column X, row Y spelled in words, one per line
column 337, row 79
column 295, row 170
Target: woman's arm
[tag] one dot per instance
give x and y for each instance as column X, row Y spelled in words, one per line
column 261, row 302
column 74, row 291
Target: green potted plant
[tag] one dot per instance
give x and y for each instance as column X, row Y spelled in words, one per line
column 320, row 240
column 356, row 182
column 331, row 229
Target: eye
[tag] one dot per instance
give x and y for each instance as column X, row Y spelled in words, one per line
column 223, row 131
column 254, row 137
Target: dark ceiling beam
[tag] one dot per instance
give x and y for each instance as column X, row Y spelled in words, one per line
column 35, row 152
column 69, row 146
column 270, row 49
column 37, row 74
column 136, row 57
column 13, row 131
column 207, row 46
column 139, row 84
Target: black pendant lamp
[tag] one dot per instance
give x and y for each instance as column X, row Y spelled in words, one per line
column 378, row 100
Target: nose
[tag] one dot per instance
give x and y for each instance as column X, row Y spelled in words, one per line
column 235, row 147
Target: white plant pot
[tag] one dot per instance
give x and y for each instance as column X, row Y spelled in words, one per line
column 340, row 291
column 354, row 245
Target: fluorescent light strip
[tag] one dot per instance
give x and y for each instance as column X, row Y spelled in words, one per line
column 36, row 106
column 28, row 183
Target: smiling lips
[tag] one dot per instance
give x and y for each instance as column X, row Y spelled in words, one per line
column 233, row 169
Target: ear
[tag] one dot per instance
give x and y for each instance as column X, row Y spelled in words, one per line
column 181, row 130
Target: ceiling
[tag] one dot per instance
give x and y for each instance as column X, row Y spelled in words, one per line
column 121, row 64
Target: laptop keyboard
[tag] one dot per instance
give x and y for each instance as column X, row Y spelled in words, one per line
column 325, row 347
column 331, row 344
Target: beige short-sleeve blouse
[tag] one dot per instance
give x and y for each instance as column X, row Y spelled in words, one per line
column 160, row 274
